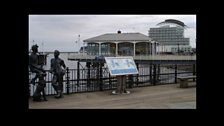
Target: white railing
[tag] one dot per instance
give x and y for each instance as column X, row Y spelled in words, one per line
column 80, row 56
column 166, row 57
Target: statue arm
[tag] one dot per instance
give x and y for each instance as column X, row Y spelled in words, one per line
column 63, row 64
column 52, row 66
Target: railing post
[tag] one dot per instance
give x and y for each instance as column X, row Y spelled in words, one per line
column 150, row 72
column 154, row 74
column 194, row 71
column 101, row 76
column 130, row 81
column 78, row 73
column 110, row 81
column 88, row 73
column 158, row 73
column 67, row 78
column 175, row 74
column 97, row 74
column 137, row 65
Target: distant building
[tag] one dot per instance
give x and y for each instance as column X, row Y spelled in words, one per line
column 170, row 35
column 114, row 44
column 83, row 49
column 194, row 50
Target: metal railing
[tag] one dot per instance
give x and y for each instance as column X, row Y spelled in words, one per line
column 97, row 78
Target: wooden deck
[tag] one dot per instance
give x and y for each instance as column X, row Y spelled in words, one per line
column 151, row 97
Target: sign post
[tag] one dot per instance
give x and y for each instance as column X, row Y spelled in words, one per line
column 120, row 67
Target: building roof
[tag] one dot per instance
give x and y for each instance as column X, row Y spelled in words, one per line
column 173, row 21
column 111, row 37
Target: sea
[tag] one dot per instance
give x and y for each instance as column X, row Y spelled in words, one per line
column 64, row 56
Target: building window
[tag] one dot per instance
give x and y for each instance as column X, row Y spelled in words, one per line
column 126, row 49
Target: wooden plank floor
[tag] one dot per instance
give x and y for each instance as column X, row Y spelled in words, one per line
column 151, row 97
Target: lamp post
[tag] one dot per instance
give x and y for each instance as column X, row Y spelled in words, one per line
column 83, row 51
column 78, row 44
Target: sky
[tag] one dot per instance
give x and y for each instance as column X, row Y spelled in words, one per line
column 67, row 32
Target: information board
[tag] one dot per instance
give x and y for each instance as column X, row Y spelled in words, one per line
column 121, row 65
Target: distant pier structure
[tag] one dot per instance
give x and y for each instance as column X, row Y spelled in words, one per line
column 125, row 44
column 141, row 47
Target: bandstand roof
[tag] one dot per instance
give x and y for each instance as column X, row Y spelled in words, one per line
column 111, row 37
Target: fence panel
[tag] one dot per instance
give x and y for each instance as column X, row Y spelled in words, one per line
column 88, row 79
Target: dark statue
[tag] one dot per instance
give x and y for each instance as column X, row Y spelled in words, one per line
column 58, row 73
column 36, row 66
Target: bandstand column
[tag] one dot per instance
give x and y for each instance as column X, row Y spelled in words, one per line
column 116, row 49
column 134, row 48
column 99, row 48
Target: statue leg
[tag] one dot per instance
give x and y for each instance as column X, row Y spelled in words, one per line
column 44, row 95
column 61, row 86
column 37, row 95
column 34, row 79
column 42, row 83
column 54, row 83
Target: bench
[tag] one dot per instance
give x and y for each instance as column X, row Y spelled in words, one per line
column 184, row 80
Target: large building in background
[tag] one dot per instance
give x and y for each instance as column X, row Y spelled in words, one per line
column 170, row 36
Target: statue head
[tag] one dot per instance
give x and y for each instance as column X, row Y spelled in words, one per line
column 56, row 53
column 34, row 48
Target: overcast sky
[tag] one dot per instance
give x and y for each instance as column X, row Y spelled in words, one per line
column 61, row 32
